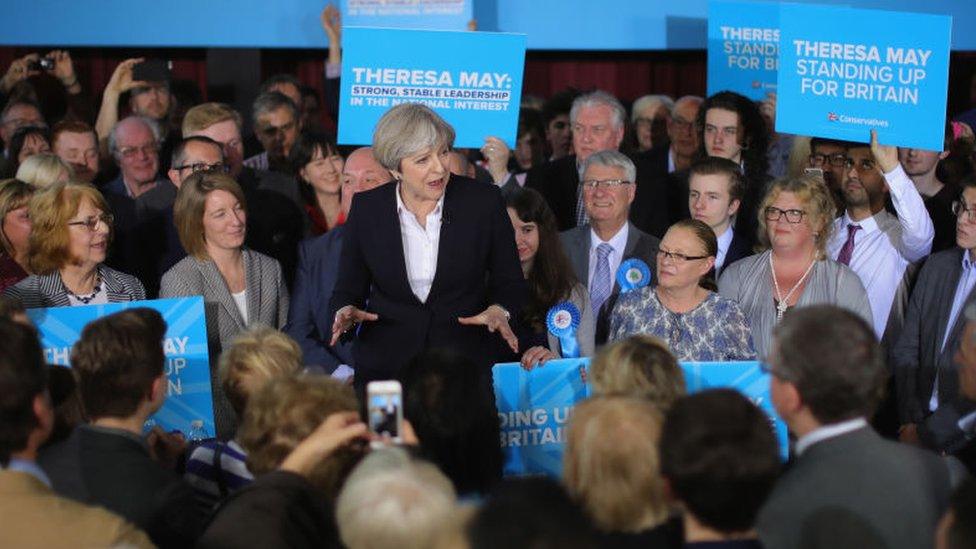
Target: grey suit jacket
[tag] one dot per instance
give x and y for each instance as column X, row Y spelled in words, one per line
column 576, row 244
column 48, row 290
column 856, row 490
column 918, row 354
column 267, row 304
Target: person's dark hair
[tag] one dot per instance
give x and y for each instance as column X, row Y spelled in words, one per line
column 17, row 142
column 11, row 307
column 961, row 533
column 833, row 359
column 706, row 236
column 755, row 138
column 719, row 455
column 23, row 376
column 530, row 512
column 959, row 163
column 530, row 122
column 449, row 401
column 714, row 165
column 117, row 359
column 818, row 141
column 304, row 149
column 179, row 150
column 68, row 412
column 551, row 279
column 560, row 103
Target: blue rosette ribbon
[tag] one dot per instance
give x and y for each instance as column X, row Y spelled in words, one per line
column 562, row 321
column 633, row 274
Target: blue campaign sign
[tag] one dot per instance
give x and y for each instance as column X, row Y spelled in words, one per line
column 743, row 47
column 747, row 378
column 412, row 14
column 533, row 408
column 472, row 79
column 857, row 70
column 187, row 366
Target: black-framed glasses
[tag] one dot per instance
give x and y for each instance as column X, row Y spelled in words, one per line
column 678, row 257
column 959, row 209
column 604, row 183
column 862, row 166
column 196, row 167
column 92, row 222
column 836, row 160
column 772, row 213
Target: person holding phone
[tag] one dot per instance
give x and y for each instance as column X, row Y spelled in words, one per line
column 428, row 260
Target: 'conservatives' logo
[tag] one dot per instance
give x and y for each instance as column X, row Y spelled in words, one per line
column 832, row 116
column 856, row 120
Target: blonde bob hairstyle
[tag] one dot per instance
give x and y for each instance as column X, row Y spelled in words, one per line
column 14, row 195
column 285, row 412
column 255, row 357
column 639, row 366
column 50, row 210
column 408, row 129
column 44, row 169
column 820, row 209
column 190, row 205
column 612, row 466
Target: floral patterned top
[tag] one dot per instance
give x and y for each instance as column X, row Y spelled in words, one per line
column 715, row 330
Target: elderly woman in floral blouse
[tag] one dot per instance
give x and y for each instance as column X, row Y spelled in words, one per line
column 697, row 323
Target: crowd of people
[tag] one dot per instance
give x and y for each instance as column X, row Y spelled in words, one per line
column 682, row 230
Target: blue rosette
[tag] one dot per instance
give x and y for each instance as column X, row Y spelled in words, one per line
column 633, row 274
column 562, row 321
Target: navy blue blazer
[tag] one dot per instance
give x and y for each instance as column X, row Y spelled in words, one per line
column 308, row 321
column 739, row 247
column 477, row 265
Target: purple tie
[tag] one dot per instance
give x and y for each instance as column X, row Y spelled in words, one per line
column 848, row 250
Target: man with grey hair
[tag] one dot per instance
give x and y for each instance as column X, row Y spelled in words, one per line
column 596, row 249
column 650, row 115
column 668, row 162
column 848, row 487
column 134, row 145
column 393, row 501
column 597, row 119
column 276, row 125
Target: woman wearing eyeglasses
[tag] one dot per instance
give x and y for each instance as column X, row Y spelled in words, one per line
column 795, row 224
column 683, row 309
column 71, row 230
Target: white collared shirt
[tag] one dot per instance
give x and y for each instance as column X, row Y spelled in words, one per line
column 420, row 246
column 825, row 432
column 618, row 242
column 724, row 241
column 671, row 165
column 886, row 244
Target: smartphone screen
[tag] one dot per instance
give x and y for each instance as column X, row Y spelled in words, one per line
column 153, row 70
column 385, row 409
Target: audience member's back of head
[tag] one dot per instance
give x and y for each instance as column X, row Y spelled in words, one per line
column 957, row 530
column 611, row 463
column 392, row 501
column 23, row 376
column 285, row 412
column 117, row 360
column 255, row 357
column 450, row 404
column 12, row 309
column 719, row 456
column 832, row 358
column 640, row 366
column 68, row 412
column 530, row 512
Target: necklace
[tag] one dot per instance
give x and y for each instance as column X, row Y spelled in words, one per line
column 86, row 299
column 782, row 305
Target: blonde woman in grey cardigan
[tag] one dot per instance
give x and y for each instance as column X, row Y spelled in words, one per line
column 795, row 219
column 241, row 288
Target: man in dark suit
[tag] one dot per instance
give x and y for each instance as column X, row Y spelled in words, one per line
column 848, row 487
column 597, row 249
column 119, row 364
column 714, row 196
column 157, row 235
column 668, row 163
column 597, row 119
column 930, row 405
column 318, row 268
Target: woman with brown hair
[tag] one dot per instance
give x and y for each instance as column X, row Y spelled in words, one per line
column 683, row 309
column 15, row 229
